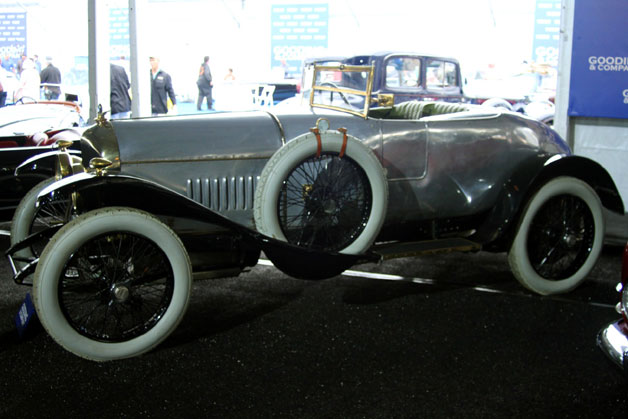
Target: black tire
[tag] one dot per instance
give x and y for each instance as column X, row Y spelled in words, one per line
column 112, row 283
column 559, row 237
column 325, row 203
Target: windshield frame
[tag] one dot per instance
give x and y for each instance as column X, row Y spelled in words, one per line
column 369, row 69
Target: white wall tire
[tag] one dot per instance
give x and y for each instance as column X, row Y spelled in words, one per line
column 23, row 219
column 70, row 269
column 304, row 148
column 559, row 237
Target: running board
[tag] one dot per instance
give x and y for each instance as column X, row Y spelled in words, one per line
column 405, row 249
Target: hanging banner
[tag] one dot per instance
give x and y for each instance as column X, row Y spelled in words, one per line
column 546, row 32
column 297, row 32
column 599, row 63
column 12, row 39
column 119, row 33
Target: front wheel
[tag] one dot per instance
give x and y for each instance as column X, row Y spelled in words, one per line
column 112, row 283
column 29, row 218
column 559, row 237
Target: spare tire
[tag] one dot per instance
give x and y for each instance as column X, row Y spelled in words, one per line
column 328, row 195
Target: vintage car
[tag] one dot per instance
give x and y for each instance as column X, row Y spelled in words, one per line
column 613, row 339
column 27, row 130
column 404, row 75
column 416, row 76
column 159, row 201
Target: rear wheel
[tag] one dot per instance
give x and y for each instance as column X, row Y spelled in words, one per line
column 112, row 283
column 559, row 237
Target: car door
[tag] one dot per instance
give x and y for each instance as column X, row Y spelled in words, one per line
column 404, row 158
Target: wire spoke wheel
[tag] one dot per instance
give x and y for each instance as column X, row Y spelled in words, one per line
column 561, row 237
column 30, row 218
column 309, row 196
column 116, row 287
column 112, row 283
column 324, row 202
column 53, row 211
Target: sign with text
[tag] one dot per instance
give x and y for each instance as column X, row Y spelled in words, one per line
column 12, row 35
column 297, row 31
column 599, row 60
column 119, row 32
column 546, row 32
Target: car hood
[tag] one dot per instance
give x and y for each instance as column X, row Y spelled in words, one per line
column 197, row 137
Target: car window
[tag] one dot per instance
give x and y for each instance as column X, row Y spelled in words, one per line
column 403, row 72
column 441, row 74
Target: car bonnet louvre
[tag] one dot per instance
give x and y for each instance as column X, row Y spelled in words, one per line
column 223, row 193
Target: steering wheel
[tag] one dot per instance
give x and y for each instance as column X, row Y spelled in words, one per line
column 335, row 86
column 25, row 99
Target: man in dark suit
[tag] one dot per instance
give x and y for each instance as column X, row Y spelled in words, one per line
column 120, row 99
column 161, row 89
column 51, row 80
column 204, row 84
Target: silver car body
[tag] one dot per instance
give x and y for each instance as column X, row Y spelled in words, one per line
column 458, row 171
column 442, row 166
column 171, row 198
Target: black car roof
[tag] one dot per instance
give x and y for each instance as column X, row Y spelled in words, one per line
column 368, row 57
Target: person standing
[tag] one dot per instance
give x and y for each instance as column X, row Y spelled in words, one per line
column 51, row 80
column 3, row 94
column 161, row 89
column 120, row 99
column 204, row 84
column 230, row 77
column 29, row 82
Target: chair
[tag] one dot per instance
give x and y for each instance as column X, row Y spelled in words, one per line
column 262, row 95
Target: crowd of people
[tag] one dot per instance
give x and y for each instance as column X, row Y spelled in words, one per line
column 34, row 82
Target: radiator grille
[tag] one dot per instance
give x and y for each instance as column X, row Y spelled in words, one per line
column 223, row 194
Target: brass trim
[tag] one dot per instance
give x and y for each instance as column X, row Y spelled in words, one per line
column 370, row 70
column 101, row 119
column 206, row 158
column 103, row 140
column 99, row 164
column 64, row 165
column 385, row 99
column 280, row 126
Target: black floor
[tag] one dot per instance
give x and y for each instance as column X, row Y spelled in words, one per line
column 472, row 345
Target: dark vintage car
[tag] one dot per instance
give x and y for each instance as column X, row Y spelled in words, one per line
column 27, row 130
column 415, row 76
column 406, row 75
column 613, row 339
column 160, row 201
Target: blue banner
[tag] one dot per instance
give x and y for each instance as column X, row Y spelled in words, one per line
column 12, row 39
column 599, row 60
column 119, row 33
column 546, row 32
column 297, row 32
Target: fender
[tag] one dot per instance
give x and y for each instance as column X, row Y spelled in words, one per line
column 91, row 191
column 48, row 162
column 500, row 227
column 588, row 171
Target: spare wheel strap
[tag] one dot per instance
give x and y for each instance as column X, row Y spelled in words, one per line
column 319, row 147
column 344, row 142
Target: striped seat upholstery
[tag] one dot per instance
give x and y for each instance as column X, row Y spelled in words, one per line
column 418, row 109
